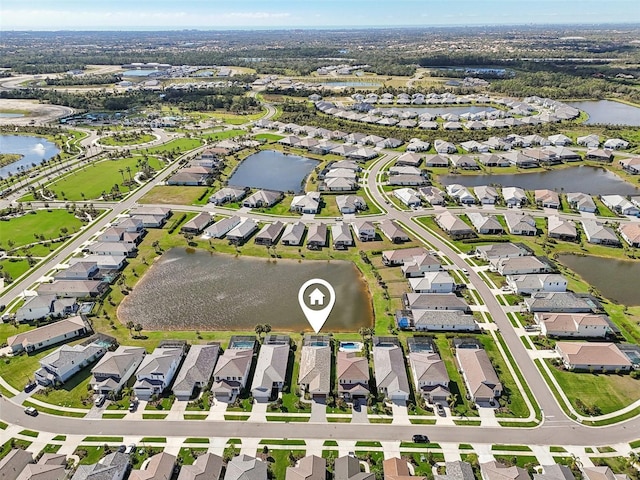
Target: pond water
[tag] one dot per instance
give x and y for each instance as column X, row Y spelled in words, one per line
column 273, row 170
column 11, row 115
column 617, row 280
column 32, row 149
column 583, row 178
column 196, row 289
column 140, row 73
column 607, row 111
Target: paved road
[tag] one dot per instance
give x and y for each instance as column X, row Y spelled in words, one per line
column 549, row 434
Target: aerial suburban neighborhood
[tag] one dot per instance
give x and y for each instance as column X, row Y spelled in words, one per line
column 304, row 254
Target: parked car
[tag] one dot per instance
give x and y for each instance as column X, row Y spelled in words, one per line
column 440, row 410
column 122, row 448
column 420, row 439
column 130, row 448
column 133, row 405
column 31, row 411
column 30, row 386
column 99, row 400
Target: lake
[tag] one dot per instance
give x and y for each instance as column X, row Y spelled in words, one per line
column 11, row 115
column 198, row 290
column 617, row 280
column 583, row 178
column 609, row 112
column 32, row 149
column 273, row 170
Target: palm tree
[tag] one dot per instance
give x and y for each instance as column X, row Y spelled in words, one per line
column 121, row 172
column 138, row 329
column 266, row 328
column 130, row 325
column 259, row 328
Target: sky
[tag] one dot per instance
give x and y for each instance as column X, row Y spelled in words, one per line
column 223, row 14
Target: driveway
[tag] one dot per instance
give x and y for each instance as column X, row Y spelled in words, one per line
column 359, row 414
column 400, row 413
column 318, row 410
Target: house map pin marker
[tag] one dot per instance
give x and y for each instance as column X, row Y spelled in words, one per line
column 316, row 318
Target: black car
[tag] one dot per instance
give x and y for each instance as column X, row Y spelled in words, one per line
column 420, row 439
column 30, row 386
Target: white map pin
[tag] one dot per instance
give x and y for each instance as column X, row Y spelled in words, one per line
column 317, row 318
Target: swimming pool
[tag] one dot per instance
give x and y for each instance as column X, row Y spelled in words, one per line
column 350, row 346
column 242, row 344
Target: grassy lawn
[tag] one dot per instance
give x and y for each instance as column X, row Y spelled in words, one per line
column 74, row 393
column 103, row 439
column 89, row 455
column 222, row 135
column 233, row 119
column 14, row 267
column 279, row 460
column 90, row 181
column 522, row 461
column 154, row 440
column 126, row 138
column 608, row 392
column 173, row 195
column 47, row 223
column 187, row 456
column 13, row 443
column 268, row 137
column 176, row 146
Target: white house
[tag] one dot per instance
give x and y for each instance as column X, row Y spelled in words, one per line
column 42, row 337
column 61, row 364
column 620, row 205
column 433, row 282
column 364, row 230
column 271, row 370
column 528, row 284
column 196, row 370
column 156, row 371
column 231, row 373
column 115, row 369
column 408, row 196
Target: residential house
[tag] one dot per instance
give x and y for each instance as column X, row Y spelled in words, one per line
column 630, row 232
column 64, row 362
column 433, row 282
column 589, row 141
column 130, row 224
column 520, row 224
column 409, row 158
column 271, row 369
column 79, row 271
column 501, row 250
column 581, row 202
column 114, row 369
column 420, row 265
column 485, row 224
column 398, row 469
column 581, row 325
column 483, row 384
column 561, row 228
column 159, row 467
column 231, row 372
column 495, row 470
column 408, row 196
column 317, row 236
column 207, row 466
column 73, row 288
column 452, row 225
column 120, row 234
column 339, row 184
column 434, row 301
column 227, row 195
column 461, row 194
column 602, row 473
column 390, row 372
column 293, row 234
column 430, row 376
column 14, row 462
column 364, row 230
column 542, row 156
column 464, row 162
column 599, row 234
column 197, row 224
column 315, row 366
column 156, row 371
column 262, row 199
column 487, row 195
column 519, row 265
column 436, row 161
column 113, row 466
column 616, row 144
column 519, row 159
column 113, row 248
column 600, row 155
column 393, row 232
column 604, row 357
column 269, row 234
column 560, row 302
column 43, row 306
column 401, row 256
column 561, row 154
column 50, row 466
column 444, row 147
column 457, row 470
column 47, row 335
column 514, row 196
column 310, row 467
column 104, row 262
column 341, row 234
column 547, row 198
column 545, row 282
column 407, row 180
column 222, row 227
column 560, row 140
column 348, row 468
column 241, row 232
column 348, row 204
column 352, row 375
column 554, row 472
column 151, row 217
column 196, row 370
column 433, row 195
column 308, row 203
column 492, row 159
column 620, row 205
column 631, row 165
column 425, row 320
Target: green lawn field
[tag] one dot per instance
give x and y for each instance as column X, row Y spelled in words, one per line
column 93, row 179
column 21, row 230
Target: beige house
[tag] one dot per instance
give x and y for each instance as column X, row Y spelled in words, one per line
column 497, row 471
column 310, row 467
column 592, row 356
column 479, row 376
column 159, row 467
column 353, row 375
column 582, row 325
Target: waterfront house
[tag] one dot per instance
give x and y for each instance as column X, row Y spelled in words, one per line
column 342, row 238
column 528, row 284
column 547, row 198
column 156, row 371
column 352, row 375
column 599, row 234
column 241, row 232
column 630, row 232
column 222, row 227
column 196, row 370
column 430, row 376
column 47, row 335
column 391, row 372
column 269, row 234
column 293, row 234
column 581, row 202
column 43, row 306
column 581, row 325
column 197, row 224
column 231, row 372
column 315, row 366
column 271, row 368
column 317, row 236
